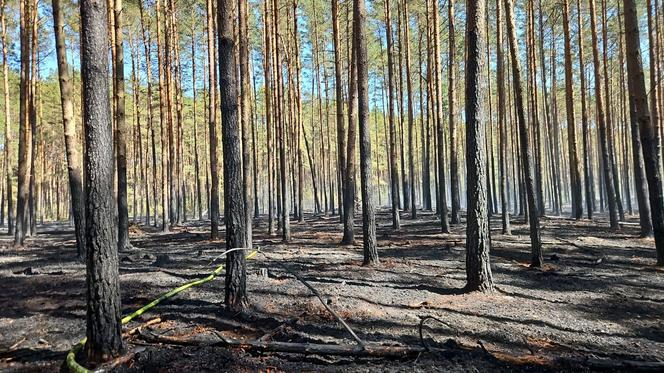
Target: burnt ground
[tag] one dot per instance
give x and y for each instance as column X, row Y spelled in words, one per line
column 598, row 301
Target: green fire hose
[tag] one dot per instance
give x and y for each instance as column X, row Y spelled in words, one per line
column 75, row 367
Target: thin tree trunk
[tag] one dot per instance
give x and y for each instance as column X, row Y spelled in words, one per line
column 245, row 105
column 199, row 198
column 609, row 116
column 362, row 62
column 502, row 122
column 24, row 144
column 148, row 59
column 601, row 121
column 7, row 166
column 73, row 157
column 638, row 95
column 349, row 196
column 451, row 98
column 411, row 115
column 212, row 125
column 588, row 175
column 394, row 172
column 440, row 134
column 121, row 131
column 533, row 215
column 575, row 176
column 283, row 138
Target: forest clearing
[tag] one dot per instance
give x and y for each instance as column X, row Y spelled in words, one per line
column 342, row 185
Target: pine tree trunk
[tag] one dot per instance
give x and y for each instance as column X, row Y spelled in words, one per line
column 478, row 237
column 24, row 143
column 502, row 122
column 601, row 121
column 234, row 203
column 394, row 172
column 212, row 125
column 609, row 115
column 362, row 68
column 197, row 173
column 148, row 59
column 121, row 131
column 411, row 115
column 245, row 105
column 104, row 339
column 639, row 97
column 451, row 98
column 588, row 174
column 349, row 197
column 533, row 214
column 283, row 138
column 575, row 176
column 440, row 134
column 7, row 166
column 71, row 138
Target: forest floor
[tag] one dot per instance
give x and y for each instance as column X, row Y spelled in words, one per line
column 598, row 302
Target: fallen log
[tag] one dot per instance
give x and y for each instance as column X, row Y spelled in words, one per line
column 367, row 350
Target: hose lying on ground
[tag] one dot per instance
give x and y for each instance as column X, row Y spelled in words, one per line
column 75, row 367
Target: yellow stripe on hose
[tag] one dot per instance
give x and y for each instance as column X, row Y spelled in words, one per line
column 75, row 367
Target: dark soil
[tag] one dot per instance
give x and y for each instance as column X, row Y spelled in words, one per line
column 598, row 301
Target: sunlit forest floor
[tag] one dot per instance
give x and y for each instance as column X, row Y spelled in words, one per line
column 598, row 302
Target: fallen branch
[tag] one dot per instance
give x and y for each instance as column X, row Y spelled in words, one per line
column 121, row 360
column 366, row 350
column 133, row 331
column 317, row 294
column 422, row 321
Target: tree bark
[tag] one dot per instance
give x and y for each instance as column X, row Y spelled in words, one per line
column 588, row 175
column 24, row 143
column 104, row 339
column 245, row 105
column 234, row 203
column 361, row 59
column 394, row 172
column 533, row 214
column 639, row 97
column 440, row 134
column 451, row 98
column 121, row 130
column 574, row 174
column 502, row 121
column 478, row 236
column 602, row 125
column 212, row 125
column 7, row 166
column 71, row 147
column 283, row 134
column 349, row 196
column 148, row 59
column 411, row 115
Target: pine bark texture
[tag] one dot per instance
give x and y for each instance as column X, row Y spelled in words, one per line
column 103, row 289
column 368, row 209
column 71, row 139
column 639, row 99
column 525, row 148
column 234, row 206
column 478, row 237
